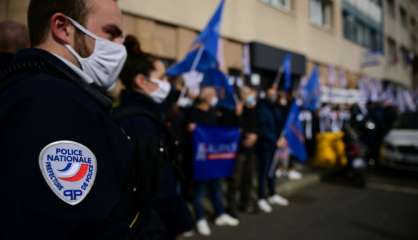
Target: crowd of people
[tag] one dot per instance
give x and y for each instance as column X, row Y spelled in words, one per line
column 158, row 116
column 261, row 122
column 260, row 114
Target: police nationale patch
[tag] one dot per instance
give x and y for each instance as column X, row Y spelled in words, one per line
column 70, row 169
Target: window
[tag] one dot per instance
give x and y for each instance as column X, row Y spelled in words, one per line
column 321, row 12
column 406, row 58
column 392, row 51
column 359, row 32
column 404, row 19
column 391, row 7
column 376, row 44
column 280, row 4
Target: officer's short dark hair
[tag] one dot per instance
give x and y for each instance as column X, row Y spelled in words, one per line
column 41, row 11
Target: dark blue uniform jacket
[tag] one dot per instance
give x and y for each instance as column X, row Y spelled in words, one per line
column 39, row 108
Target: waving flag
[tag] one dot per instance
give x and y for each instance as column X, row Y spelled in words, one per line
column 311, row 93
column 203, row 59
column 204, row 56
column 246, row 60
column 388, row 95
column 409, row 101
column 293, row 133
column 400, row 101
column 287, row 71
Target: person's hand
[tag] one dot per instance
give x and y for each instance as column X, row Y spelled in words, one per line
column 179, row 85
column 191, row 127
column 250, row 140
column 281, row 142
column 239, row 108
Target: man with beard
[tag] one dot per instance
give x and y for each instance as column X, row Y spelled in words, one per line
column 66, row 160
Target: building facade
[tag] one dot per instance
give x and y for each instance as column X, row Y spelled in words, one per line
column 375, row 38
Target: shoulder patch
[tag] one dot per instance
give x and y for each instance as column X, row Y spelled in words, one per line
column 69, row 168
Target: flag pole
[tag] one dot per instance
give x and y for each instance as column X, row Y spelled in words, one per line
column 192, row 69
column 197, row 58
column 279, row 76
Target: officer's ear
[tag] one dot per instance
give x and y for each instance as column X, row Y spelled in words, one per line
column 61, row 29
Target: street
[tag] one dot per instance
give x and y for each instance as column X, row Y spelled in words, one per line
column 386, row 209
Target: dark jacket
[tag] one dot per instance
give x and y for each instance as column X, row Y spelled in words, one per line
column 154, row 153
column 46, row 104
column 5, row 59
column 228, row 117
column 269, row 122
column 196, row 116
column 248, row 124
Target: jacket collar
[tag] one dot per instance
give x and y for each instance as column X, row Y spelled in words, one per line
column 55, row 66
column 140, row 100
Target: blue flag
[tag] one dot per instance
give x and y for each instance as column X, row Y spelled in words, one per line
column 209, row 37
column 206, row 48
column 205, row 63
column 287, row 71
column 293, row 133
column 311, row 93
column 219, row 80
column 215, row 151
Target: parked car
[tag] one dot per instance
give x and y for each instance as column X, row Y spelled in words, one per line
column 400, row 146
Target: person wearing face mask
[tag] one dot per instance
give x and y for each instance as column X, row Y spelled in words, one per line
column 241, row 182
column 161, row 212
column 204, row 113
column 285, row 164
column 66, row 159
column 269, row 118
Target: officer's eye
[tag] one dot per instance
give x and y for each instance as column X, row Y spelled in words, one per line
column 113, row 32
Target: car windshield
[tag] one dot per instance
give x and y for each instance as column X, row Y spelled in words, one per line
column 407, row 121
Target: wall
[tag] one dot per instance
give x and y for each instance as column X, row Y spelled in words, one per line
column 3, row 9
column 397, row 71
column 250, row 20
column 15, row 9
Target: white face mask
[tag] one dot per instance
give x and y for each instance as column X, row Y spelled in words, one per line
column 251, row 101
column 162, row 92
column 105, row 63
column 283, row 101
column 214, row 101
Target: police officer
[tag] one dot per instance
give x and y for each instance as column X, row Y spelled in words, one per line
column 160, row 212
column 65, row 158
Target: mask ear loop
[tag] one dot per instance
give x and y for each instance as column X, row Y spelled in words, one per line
column 83, row 29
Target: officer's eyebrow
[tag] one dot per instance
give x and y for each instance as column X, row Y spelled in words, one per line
column 113, row 30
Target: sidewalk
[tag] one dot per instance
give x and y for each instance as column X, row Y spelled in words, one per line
column 288, row 187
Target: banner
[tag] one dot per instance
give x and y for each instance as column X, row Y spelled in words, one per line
column 214, row 152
